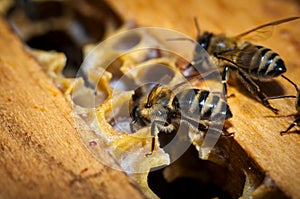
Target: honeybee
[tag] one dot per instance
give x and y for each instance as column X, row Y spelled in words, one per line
column 166, row 108
column 297, row 105
column 251, row 62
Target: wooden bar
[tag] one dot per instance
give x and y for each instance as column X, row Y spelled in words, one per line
column 41, row 153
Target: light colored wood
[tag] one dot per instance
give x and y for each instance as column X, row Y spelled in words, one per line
column 41, row 153
column 256, row 128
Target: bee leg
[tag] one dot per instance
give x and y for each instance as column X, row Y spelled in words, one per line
column 152, row 147
column 252, row 87
column 155, row 128
column 131, row 125
column 295, row 123
column 224, row 80
column 227, row 134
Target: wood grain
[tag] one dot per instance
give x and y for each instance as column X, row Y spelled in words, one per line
column 256, row 128
column 41, row 153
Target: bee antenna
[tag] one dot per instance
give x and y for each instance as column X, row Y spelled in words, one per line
column 181, row 38
column 297, row 88
column 151, row 94
column 197, row 26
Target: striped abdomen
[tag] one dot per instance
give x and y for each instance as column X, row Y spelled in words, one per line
column 260, row 62
column 202, row 105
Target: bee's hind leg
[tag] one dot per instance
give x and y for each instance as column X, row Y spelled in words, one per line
column 295, row 123
column 253, row 88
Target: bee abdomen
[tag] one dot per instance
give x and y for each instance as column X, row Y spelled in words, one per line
column 263, row 62
column 203, row 105
column 214, row 108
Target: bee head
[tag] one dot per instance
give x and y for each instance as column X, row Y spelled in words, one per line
column 204, row 39
column 159, row 95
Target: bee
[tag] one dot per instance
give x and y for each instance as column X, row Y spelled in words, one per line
column 250, row 62
column 297, row 105
column 166, row 108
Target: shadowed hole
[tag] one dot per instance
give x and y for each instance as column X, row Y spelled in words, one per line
column 127, row 42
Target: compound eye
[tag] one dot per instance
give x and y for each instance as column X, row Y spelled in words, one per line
column 134, row 112
column 173, row 115
column 147, row 106
column 204, row 40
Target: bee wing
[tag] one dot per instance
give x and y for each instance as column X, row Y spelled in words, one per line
column 264, row 31
column 237, row 57
column 195, row 78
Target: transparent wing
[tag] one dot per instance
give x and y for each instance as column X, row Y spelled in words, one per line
column 239, row 58
column 198, row 78
column 264, row 31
